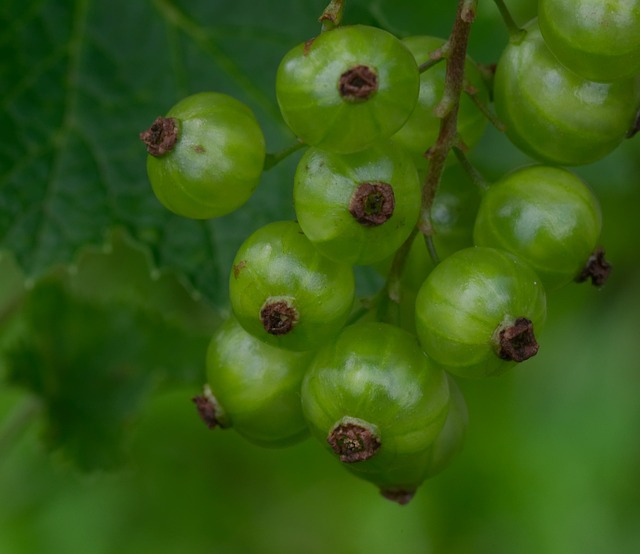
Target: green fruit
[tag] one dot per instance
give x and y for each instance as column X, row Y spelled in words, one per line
column 347, row 88
column 423, row 126
column 598, row 39
column 553, row 114
column 254, row 387
column 450, row 440
column 357, row 208
column 206, row 156
column 378, row 404
column 546, row 216
column 284, row 292
column 476, row 311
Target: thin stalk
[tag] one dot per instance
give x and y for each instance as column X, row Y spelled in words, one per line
column 435, row 57
column 274, row 159
column 472, row 93
column 332, row 15
column 515, row 32
column 448, row 111
column 471, row 171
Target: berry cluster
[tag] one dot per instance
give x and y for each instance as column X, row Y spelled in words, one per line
column 467, row 269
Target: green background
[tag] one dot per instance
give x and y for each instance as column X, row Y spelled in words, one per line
column 107, row 302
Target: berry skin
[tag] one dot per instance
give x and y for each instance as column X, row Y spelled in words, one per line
column 422, row 128
column 598, row 39
column 347, row 88
column 554, row 115
column 357, row 208
column 256, row 387
column 285, row 293
column 451, row 439
column 546, row 216
column 378, row 404
column 476, row 311
column 206, row 156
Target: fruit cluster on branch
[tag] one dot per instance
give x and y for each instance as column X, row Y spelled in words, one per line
column 381, row 118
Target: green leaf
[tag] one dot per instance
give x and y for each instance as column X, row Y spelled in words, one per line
column 79, row 81
column 90, row 342
column 92, row 365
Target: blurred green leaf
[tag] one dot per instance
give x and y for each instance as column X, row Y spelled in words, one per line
column 91, row 365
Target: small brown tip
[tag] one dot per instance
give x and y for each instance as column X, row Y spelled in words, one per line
column 517, row 341
column 358, row 84
column 401, row 496
column 279, row 316
column 237, row 268
column 353, row 442
column 372, row 203
column 597, row 269
column 207, row 410
column 307, row 46
column 161, row 137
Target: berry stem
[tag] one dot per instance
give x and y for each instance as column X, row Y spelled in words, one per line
column 431, row 248
column 435, row 57
column 392, row 285
column 470, row 169
column 455, row 50
column 447, row 110
column 515, row 32
column 332, row 15
column 274, row 159
column 472, row 93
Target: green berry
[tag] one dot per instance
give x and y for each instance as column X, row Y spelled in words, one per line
column 546, row 216
column 206, row 156
column 378, row 404
column 451, row 439
column 254, row 388
column 357, row 208
column 284, row 292
column 553, row 114
column 598, row 39
column 347, row 88
column 476, row 312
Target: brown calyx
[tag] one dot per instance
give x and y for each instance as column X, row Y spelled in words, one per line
column 401, row 496
column 161, row 137
column 207, row 410
column 516, row 341
column 597, row 269
column 278, row 316
column 353, row 442
column 358, row 83
column 372, row 203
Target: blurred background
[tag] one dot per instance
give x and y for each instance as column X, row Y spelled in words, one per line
column 107, row 303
